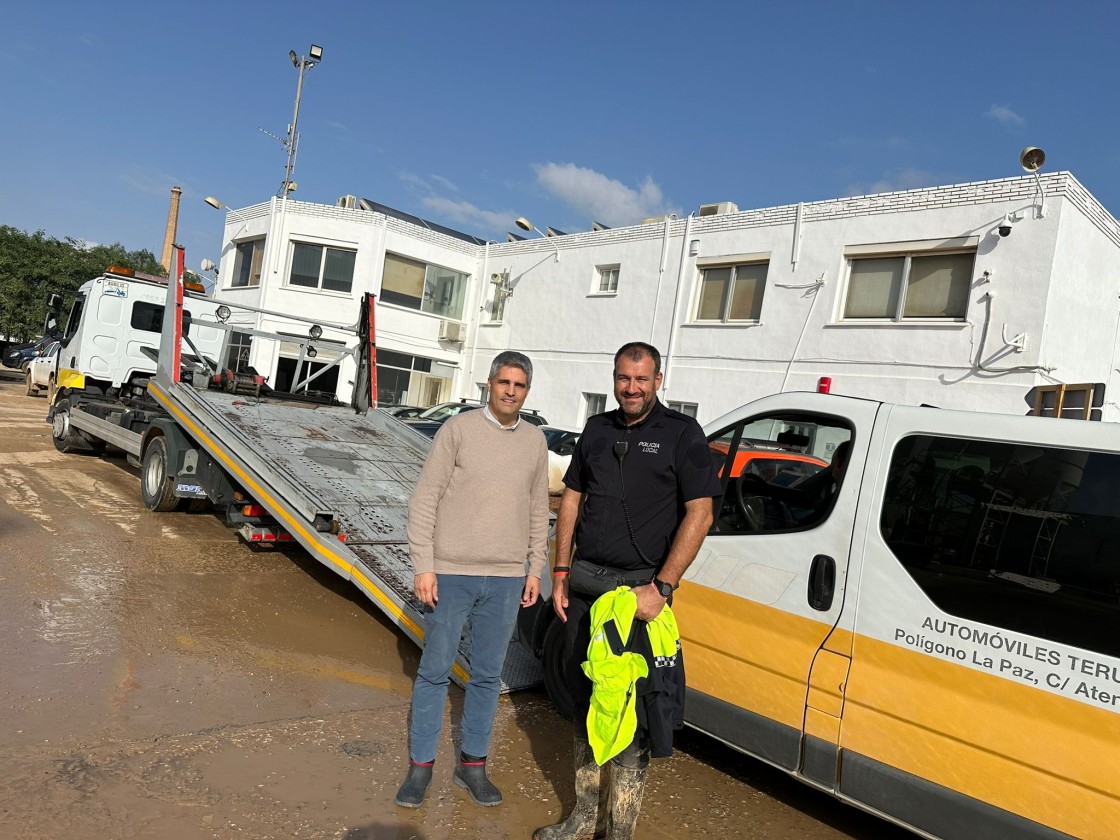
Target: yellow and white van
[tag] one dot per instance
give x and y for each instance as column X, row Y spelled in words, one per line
column 935, row 637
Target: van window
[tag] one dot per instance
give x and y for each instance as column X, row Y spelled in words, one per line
column 779, row 472
column 1022, row 537
column 147, row 317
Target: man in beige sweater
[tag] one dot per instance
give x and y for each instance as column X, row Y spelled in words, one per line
column 478, row 534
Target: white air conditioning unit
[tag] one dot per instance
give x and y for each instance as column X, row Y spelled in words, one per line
column 718, row 209
column 451, row 331
column 347, row 202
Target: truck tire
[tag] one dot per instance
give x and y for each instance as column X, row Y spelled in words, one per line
column 555, row 681
column 66, row 438
column 156, row 487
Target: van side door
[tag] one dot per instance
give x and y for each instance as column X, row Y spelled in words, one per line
column 770, row 581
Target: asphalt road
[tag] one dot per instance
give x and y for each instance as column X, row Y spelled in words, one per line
column 161, row 679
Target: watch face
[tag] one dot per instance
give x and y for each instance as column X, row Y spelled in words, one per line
column 666, row 589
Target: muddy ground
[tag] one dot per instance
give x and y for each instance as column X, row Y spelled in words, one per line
column 160, row 679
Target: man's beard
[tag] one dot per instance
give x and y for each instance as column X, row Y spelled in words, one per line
column 645, row 406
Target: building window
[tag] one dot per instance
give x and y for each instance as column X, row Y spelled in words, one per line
column 686, row 408
column 237, row 357
column 428, row 288
column 1014, row 535
column 608, row 280
column 395, row 377
column 731, row 292
column 593, row 404
column 320, row 267
column 906, row 286
column 247, row 263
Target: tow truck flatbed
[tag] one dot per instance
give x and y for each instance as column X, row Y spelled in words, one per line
column 334, row 478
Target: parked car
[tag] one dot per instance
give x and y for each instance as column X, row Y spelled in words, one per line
column 561, row 444
column 41, row 370
column 431, row 419
column 403, row 412
column 19, row 355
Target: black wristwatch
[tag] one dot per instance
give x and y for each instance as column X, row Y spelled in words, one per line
column 665, row 589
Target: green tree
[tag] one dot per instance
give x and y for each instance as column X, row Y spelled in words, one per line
column 35, row 266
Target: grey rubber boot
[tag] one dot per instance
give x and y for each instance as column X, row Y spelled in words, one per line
column 415, row 785
column 471, row 774
column 627, row 787
column 587, row 820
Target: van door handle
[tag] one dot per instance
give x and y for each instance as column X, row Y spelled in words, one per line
column 822, row 582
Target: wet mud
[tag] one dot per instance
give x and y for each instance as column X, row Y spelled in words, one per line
column 160, row 679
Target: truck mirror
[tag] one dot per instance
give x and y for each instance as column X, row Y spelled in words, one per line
column 54, row 302
column 186, row 322
column 50, row 324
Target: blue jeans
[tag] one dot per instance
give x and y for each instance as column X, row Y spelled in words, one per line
column 490, row 606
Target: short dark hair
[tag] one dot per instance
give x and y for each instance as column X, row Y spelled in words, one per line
column 635, row 351
column 511, row 358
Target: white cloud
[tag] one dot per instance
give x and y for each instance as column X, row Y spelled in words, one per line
column 1005, row 115
column 444, row 182
column 599, row 197
column 899, row 179
column 429, row 184
column 465, row 213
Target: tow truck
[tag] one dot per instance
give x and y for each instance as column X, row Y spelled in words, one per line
column 143, row 368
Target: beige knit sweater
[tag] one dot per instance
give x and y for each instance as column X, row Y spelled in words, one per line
column 481, row 504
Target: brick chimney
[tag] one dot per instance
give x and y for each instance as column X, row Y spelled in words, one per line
column 172, row 227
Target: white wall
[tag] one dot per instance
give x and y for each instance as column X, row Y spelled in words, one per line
column 370, row 235
column 1055, row 279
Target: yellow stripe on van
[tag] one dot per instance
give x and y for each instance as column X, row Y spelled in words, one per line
column 1048, row 758
column 747, row 654
column 1017, row 747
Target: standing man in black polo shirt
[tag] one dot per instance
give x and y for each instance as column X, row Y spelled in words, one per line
column 638, row 500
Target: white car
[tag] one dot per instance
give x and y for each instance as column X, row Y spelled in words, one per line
column 561, row 444
column 41, row 370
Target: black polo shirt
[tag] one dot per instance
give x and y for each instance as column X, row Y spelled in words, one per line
column 667, row 463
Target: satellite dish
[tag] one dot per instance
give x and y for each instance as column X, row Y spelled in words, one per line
column 1032, row 158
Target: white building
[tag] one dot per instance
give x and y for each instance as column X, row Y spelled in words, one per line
column 970, row 296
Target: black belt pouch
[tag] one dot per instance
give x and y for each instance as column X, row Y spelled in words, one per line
column 589, row 580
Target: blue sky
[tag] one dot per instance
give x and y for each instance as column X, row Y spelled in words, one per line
column 472, row 114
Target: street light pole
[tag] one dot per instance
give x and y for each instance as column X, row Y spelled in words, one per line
column 315, row 55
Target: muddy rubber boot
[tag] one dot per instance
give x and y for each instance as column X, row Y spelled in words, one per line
column 415, row 785
column 471, row 774
column 587, row 819
column 627, row 787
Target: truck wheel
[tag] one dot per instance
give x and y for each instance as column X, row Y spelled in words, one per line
column 66, row 438
column 32, row 389
column 156, row 487
column 555, row 680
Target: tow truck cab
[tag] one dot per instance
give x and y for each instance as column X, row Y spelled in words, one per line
column 112, row 336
